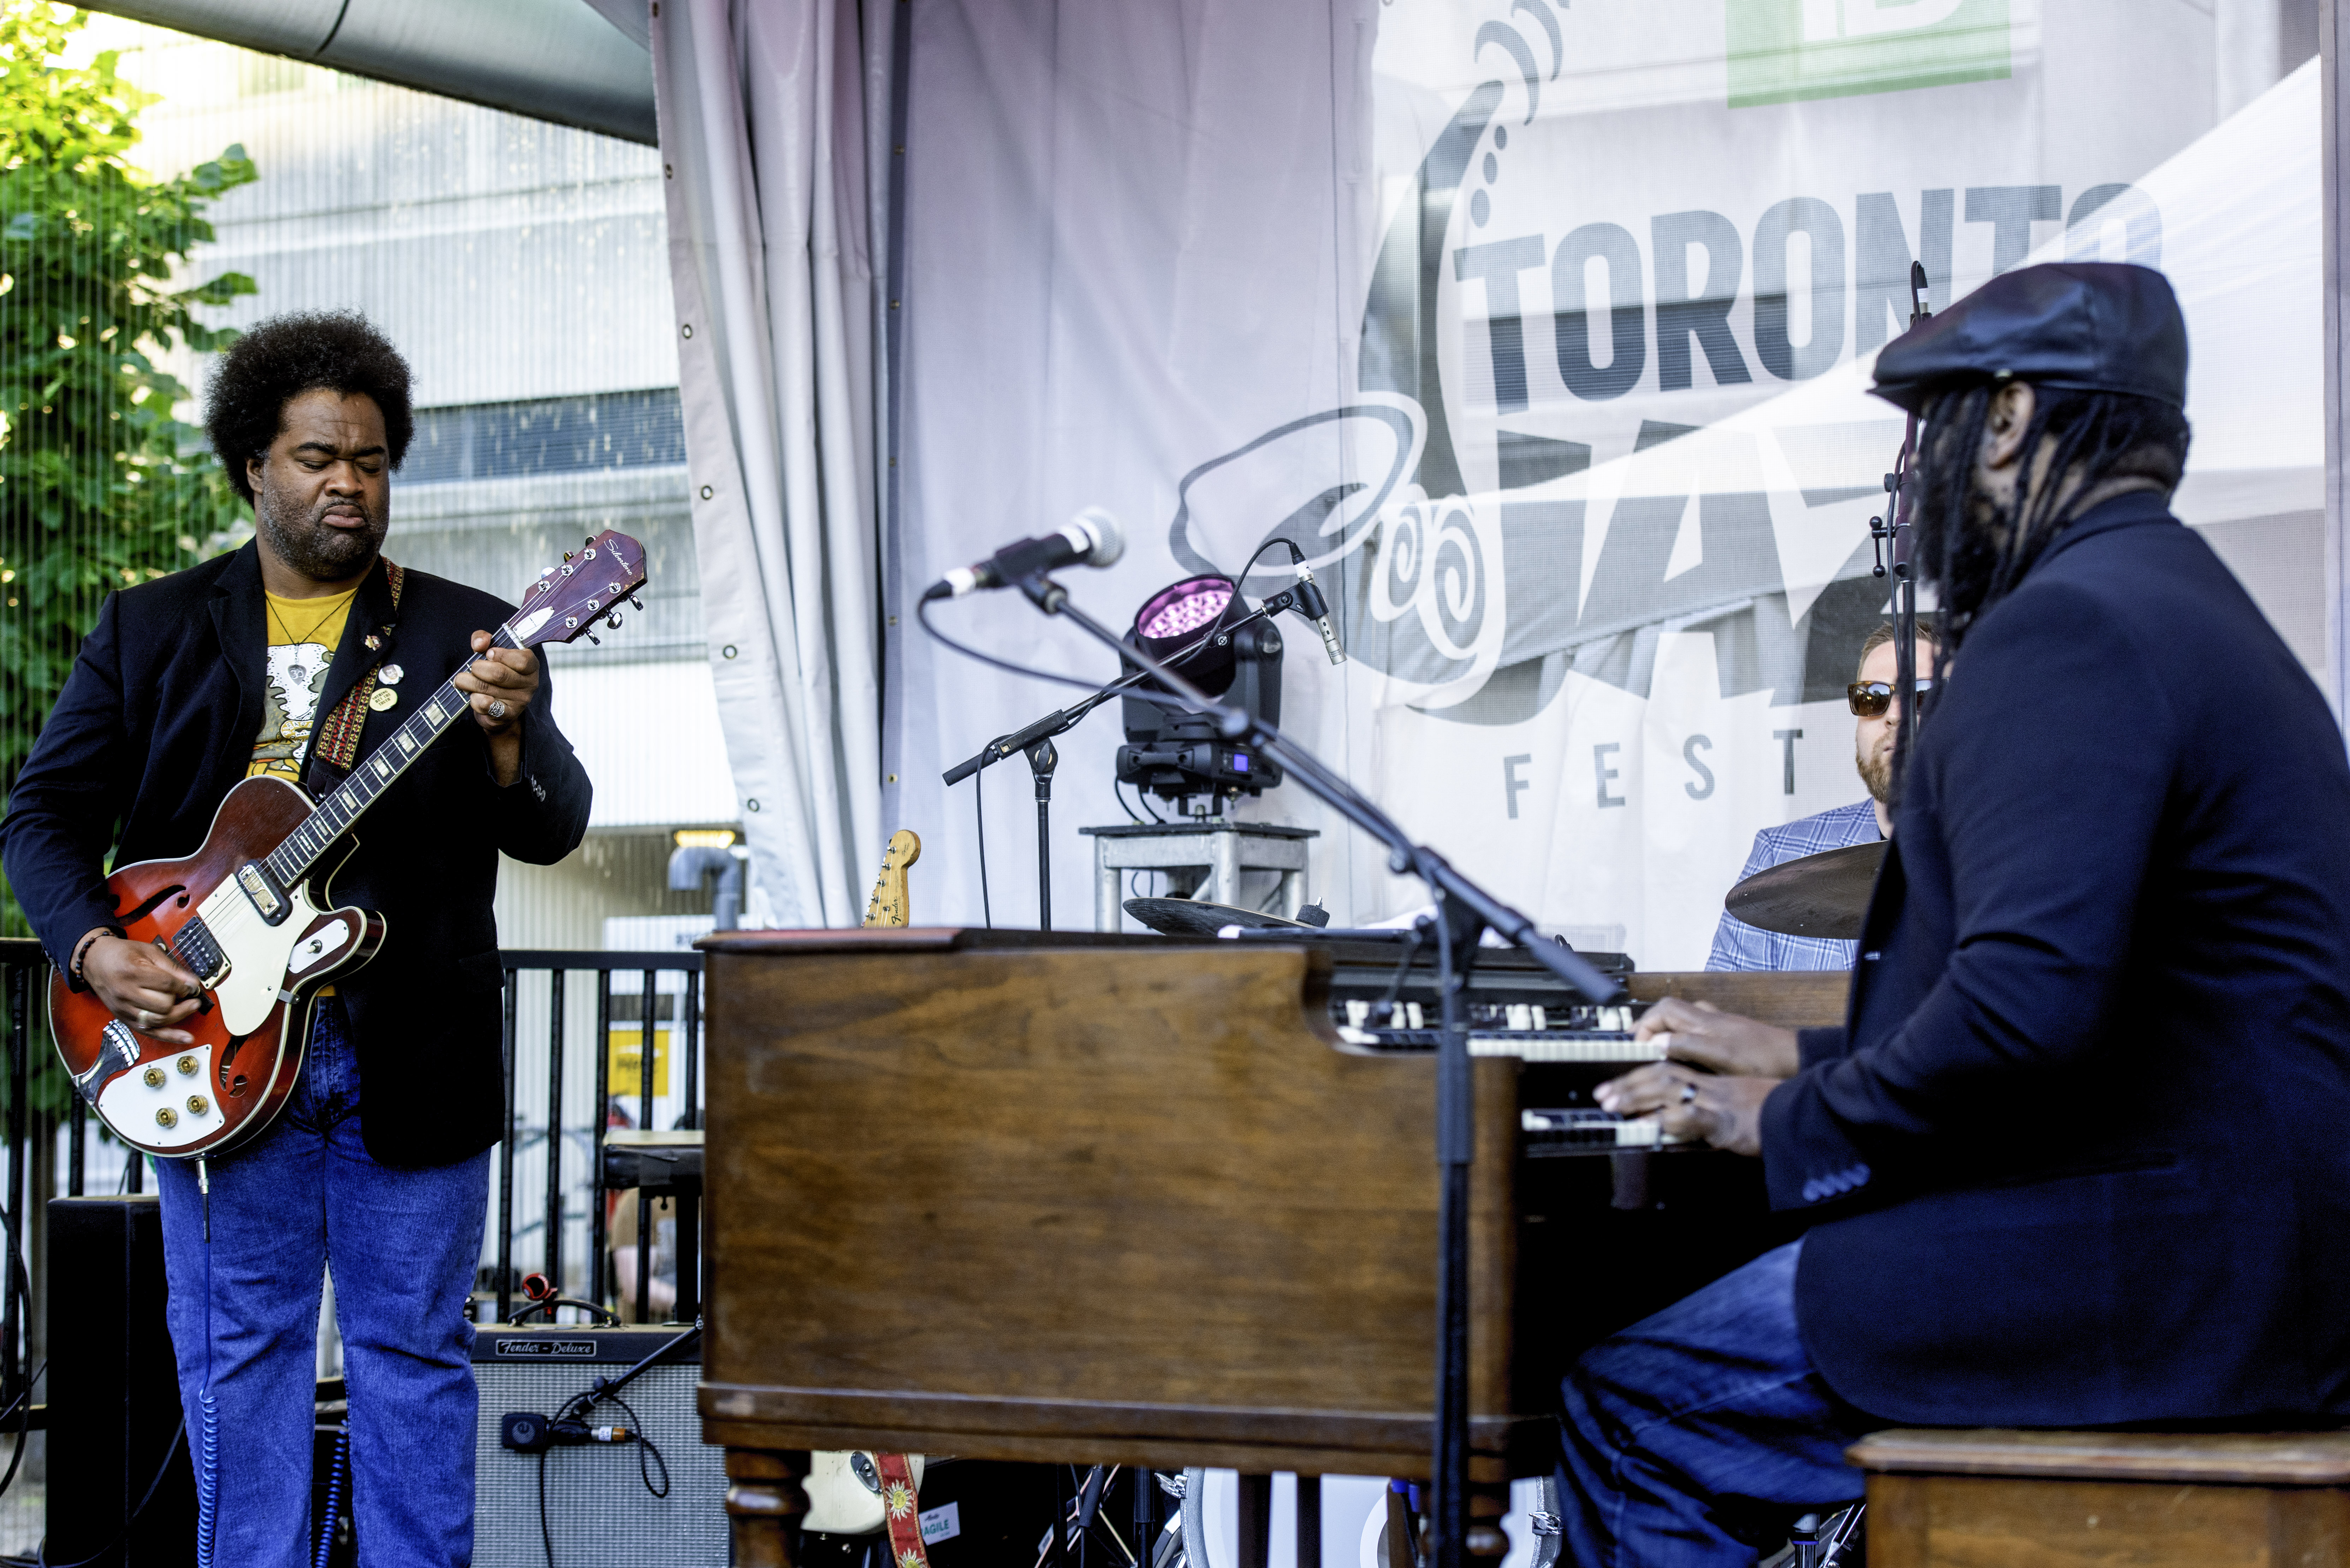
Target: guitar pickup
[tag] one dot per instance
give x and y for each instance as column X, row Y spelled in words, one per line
column 263, row 891
column 195, row 947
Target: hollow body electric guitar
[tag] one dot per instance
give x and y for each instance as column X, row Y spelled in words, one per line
column 249, row 916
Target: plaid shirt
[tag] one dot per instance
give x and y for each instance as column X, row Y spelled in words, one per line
column 1737, row 945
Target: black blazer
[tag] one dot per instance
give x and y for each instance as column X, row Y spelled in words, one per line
column 156, row 724
column 2081, row 1153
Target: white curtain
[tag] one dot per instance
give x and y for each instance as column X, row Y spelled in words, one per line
column 764, row 107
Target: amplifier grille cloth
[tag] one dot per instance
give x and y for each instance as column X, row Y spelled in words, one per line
column 596, row 1506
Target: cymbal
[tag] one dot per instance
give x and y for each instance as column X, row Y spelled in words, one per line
column 1823, row 895
column 1198, row 918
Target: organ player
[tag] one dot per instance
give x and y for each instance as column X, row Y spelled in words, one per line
column 2076, row 1158
column 1877, row 717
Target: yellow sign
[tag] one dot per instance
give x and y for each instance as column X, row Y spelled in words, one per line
column 627, row 1060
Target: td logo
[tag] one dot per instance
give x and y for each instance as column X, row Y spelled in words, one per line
column 1784, row 50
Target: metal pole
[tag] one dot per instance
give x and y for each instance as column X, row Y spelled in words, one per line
column 506, row 1154
column 20, row 1006
column 2333, row 137
column 1455, row 1143
column 689, row 1206
column 76, row 1147
column 691, row 1049
column 556, row 982
column 598, row 1240
column 1042, row 760
column 645, row 1121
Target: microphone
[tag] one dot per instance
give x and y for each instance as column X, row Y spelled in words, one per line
column 1093, row 538
column 1318, row 610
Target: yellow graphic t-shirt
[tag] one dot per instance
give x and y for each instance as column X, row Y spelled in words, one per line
column 302, row 635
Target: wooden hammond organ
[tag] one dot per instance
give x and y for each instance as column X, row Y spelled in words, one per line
column 1078, row 1197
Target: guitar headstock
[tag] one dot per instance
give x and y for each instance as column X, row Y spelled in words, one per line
column 569, row 598
column 887, row 905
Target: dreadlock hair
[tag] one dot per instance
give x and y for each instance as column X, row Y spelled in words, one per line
column 2091, row 437
column 287, row 356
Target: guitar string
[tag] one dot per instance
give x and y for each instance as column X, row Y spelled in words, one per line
column 350, row 800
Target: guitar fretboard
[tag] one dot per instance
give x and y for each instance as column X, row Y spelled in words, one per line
column 375, row 773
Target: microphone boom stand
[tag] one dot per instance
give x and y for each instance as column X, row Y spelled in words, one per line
column 1464, row 911
column 1042, row 760
column 1036, row 741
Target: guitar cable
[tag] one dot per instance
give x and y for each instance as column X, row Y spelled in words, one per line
column 579, row 1404
column 208, row 1411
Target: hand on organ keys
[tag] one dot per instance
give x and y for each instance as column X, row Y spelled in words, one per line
column 1705, row 1036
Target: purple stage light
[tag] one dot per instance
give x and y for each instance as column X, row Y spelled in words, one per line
column 1188, row 607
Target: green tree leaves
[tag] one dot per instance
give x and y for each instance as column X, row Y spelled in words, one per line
column 100, row 486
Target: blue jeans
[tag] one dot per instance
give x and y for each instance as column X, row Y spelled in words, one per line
column 1693, row 1439
column 403, row 1244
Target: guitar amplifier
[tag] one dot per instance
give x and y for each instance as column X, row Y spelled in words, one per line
column 598, row 1507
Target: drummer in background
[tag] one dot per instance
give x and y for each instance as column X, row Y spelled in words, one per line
column 1877, row 708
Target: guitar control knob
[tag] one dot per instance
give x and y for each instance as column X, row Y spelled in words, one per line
column 198, row 1105
column 167, row 1117
column 187, row 1065
column 153, row 1077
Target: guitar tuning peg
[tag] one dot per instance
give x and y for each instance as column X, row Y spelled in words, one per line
column 566, row 555
column 594, row 639
column 636, row 601
column 613, row 620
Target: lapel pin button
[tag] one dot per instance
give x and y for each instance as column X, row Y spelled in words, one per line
column 384, row 697
column 390, row 675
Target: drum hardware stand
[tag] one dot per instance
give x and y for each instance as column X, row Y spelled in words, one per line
column 1464, row 911
column 1901, row 533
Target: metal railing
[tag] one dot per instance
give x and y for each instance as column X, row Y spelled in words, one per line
column 24, row 965
column 645, row 968
column 24, row 970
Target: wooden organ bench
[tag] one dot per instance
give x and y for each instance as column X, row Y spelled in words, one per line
column 1993, row 1498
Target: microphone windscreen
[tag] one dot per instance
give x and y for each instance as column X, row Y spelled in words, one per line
column 1108, row 538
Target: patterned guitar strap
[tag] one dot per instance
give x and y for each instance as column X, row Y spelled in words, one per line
column 901, row 1506
column 337, row 742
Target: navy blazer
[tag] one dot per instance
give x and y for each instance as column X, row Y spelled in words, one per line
column 156, row 724
column 2081, row 1153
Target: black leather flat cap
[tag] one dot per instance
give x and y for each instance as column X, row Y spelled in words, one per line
column 2098, row 326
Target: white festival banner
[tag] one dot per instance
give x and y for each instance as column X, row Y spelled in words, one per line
column 1581, row 438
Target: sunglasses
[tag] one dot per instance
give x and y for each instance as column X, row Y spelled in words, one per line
column 1870, row 698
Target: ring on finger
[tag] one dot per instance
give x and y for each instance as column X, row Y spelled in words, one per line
column 1688, row 1093
column 497, row 709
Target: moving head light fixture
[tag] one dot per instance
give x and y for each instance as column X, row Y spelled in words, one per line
column 1203, row 628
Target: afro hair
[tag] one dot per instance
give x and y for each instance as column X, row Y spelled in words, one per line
column 287, row 356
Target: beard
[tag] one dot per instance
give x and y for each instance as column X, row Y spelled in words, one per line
column 1877, row 772
column 303, row 540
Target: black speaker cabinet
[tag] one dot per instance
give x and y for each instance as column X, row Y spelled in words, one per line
column 113, row 1391
column 596, row 1506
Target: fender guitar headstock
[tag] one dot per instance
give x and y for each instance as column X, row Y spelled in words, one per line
column 887, row 905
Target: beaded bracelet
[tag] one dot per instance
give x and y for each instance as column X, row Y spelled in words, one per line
column 81, row 951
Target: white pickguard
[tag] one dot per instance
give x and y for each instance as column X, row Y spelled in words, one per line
column 259, row 954
column 320, row 945
column 131, row 1103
